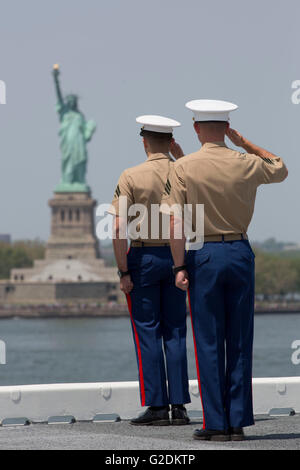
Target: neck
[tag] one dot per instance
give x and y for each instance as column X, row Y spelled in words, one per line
column 212, row 139
column 154, row 151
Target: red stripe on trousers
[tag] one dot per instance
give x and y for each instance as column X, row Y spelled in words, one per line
column 143, row 400
column 196, row 356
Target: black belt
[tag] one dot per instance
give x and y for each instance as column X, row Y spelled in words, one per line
column 141, row 244
column 226, row 238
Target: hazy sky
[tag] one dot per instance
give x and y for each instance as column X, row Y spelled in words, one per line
column 127, row 58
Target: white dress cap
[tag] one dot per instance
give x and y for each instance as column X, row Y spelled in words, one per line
column 211, row 110
column 157, row 124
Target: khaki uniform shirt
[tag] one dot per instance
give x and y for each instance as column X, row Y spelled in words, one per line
column 225, row 181
column 145, row 184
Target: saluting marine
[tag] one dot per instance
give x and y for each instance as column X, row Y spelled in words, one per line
column 220, row 275
column 157, row 307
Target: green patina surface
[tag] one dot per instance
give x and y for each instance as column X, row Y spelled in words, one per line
column 75, row 132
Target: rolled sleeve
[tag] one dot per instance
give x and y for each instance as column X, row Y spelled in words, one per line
column 272, row 170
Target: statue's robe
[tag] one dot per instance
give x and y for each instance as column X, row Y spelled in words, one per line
column 74, row 133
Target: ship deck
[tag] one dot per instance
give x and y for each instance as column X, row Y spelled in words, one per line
column 269, row 433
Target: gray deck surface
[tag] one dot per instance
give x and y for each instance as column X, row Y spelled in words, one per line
column 268, row 433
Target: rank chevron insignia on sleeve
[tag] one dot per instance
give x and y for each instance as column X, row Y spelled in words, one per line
column 168, row 187
column 268, row 160
column 118, row 191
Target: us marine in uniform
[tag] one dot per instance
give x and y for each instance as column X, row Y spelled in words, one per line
column 220, row 276
column 157, row 307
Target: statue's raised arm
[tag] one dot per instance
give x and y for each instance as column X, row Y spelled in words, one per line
column 59, row 95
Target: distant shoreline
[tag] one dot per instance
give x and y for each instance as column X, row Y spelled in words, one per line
column 111, row 310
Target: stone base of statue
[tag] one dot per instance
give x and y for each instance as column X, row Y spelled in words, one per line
column 72, row 188
column 72, row 227
column 72, row 272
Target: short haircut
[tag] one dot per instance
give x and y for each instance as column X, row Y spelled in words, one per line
column 159, row 137
column 215, row 124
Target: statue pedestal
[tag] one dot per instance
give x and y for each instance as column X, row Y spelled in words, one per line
column 72, row 188
column 72, row 227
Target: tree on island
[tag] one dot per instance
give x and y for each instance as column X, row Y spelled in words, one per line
column 20, row 254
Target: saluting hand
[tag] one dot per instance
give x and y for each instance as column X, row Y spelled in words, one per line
column 235, row 137
column 126, row 284
column 182, row 280
column 176, row 150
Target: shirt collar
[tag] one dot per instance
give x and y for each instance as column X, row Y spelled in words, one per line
column 158, row 156
column 209, row 145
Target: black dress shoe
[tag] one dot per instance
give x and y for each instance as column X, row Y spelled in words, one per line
column 237, row 434
column 152, row 416
column 211, row 435
column 179, row 415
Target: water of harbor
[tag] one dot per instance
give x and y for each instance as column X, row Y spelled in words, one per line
column 101, row 349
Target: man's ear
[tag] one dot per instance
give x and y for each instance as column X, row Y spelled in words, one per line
column 196, row 127
column 145, row 143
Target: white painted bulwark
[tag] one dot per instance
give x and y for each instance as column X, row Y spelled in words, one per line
column 85, row 401
column 280, row 392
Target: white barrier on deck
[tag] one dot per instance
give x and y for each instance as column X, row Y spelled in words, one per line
column 85, row 401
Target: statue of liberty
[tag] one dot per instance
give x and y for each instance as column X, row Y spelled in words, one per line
column 75, row 132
